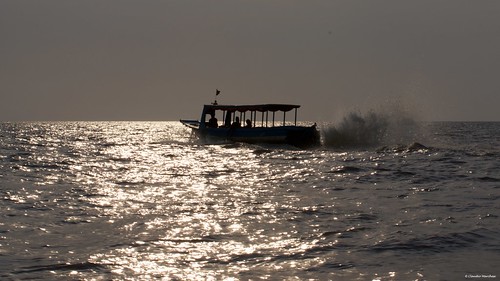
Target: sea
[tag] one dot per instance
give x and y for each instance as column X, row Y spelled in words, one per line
column 150, row 201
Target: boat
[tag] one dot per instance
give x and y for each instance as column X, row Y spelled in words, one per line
column 261, row 125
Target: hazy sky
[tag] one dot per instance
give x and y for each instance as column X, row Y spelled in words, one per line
column 161, row 60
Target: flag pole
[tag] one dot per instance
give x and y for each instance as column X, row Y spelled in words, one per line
column 217, row 92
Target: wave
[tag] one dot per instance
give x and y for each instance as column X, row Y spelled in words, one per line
column 83, row 266
column 372, row 129
column 438, row 243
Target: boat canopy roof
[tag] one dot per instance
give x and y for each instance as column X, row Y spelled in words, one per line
column 255, row 107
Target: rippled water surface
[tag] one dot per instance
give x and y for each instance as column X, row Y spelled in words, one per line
column 144, row 200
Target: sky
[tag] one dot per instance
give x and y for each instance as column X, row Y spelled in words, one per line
column 162, row 60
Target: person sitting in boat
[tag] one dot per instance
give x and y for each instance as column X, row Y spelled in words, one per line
column 213, row 121
column 236, row 123
column 249, row 124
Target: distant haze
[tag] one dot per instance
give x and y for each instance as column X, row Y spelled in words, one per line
column 161, row 60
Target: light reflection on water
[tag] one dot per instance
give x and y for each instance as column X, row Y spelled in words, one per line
column 190, row 212
column 132, row 200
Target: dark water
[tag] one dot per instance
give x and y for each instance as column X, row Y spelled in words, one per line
column 142, row 200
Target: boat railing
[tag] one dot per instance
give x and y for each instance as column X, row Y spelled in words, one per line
column 267, row 118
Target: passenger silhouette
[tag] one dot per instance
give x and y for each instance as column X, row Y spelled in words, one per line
column 236, row 123
column 249, row 124
column 213, row 121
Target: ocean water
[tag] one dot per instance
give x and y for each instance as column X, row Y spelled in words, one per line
column 145, row 200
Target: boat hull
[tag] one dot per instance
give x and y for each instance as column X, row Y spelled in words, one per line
column 295, row 135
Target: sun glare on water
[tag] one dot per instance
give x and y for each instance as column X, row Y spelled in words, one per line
column 195, row 201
